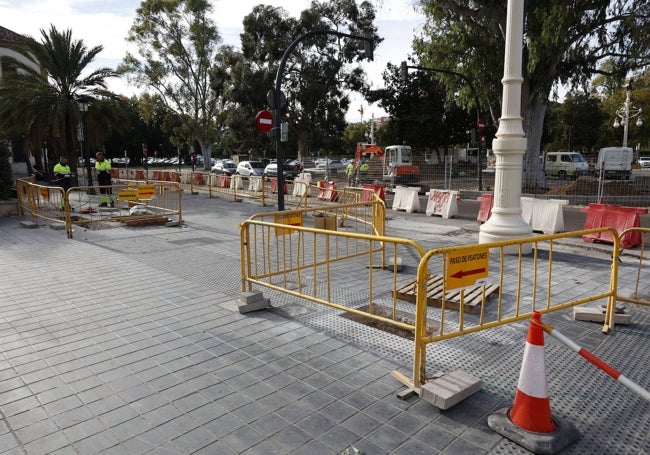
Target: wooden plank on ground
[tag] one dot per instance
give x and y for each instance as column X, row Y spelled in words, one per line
column 473, row 296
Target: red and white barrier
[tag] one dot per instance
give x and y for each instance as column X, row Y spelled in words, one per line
column 442, row 203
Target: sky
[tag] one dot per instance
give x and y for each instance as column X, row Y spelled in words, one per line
column 106, row 23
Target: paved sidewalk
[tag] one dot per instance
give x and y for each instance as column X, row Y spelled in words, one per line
column 128, row 341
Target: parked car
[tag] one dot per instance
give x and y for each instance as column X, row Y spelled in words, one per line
column 271, row 170
column 225, row 167
column 644, row 161
column 565, row 165
column 250, row 168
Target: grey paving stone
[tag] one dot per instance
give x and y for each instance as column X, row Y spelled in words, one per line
column 270, row 424
column 339, row 438
column 131, row 428
column 97, row 443
column 294, row 411
column 23, row 419
column 194, row 440
column 382, row 411
column 435, row 436
column 387, row 437
column 72, row 417
column 37, row 430
column 290, row 438
column 47, row 444
column 407, row 423
column 414, row 447
column 316, row 400
column 224, row 425
column 361, row 424
column 145, row 442
column 243, row 439
column 315, row 424
column 462, row 447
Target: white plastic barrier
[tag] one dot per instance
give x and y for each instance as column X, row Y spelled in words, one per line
column 301, row 184
column 237, row 182
column 443, row 203
column 406, row 198
column 543, row 215
column 255, row 184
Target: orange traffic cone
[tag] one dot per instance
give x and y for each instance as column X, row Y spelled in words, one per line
column 529, row 421
column 531, row 409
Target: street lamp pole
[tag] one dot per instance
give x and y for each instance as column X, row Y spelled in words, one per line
column 626, row 113
column 506, row 221
column 278, row 97
column 83, row 107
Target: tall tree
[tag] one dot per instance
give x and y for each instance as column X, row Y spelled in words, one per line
column 319, row 71
column 178, row 45
column 421, row 114
column 45, row 104
column 565, row 42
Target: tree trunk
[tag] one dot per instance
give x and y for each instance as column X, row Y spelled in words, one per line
column 534, row 179
column 206, row 152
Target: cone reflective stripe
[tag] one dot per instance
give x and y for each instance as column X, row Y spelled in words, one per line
column 531, row 409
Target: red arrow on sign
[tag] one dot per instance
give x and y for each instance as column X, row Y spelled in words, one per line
column 462, row 273
column 264, row 121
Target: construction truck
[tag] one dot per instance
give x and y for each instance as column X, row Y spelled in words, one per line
column 393, row 164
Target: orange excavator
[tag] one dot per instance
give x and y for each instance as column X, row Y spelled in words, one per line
column 394, row 164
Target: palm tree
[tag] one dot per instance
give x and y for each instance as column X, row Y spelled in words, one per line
column 47, row 103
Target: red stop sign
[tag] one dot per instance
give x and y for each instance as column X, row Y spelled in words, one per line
column 480, row 126
column 264, row 121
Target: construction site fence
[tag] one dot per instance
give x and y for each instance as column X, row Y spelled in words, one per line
column 306, row 190
column 131, row 203
column 440, row 294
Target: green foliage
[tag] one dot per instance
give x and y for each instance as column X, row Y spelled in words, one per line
column 6, row 178
column 318, row 72
column 178, row 59
column 421, row 114
column 41, row 100
column 564, row 42
column 573, row 124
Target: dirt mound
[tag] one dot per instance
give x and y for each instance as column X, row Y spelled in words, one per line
column 588, row 186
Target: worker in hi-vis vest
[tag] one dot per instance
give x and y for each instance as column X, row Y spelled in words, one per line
column 63, row 177
column 103, row 168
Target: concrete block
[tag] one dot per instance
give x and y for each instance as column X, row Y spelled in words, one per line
column 596, row 315
column 28, row 225
column 450, row 389
column 395, row 263
column 251, row 297
column 255, row 306
column 57, row 226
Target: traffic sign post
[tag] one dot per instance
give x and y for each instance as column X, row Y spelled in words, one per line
column 264, row 121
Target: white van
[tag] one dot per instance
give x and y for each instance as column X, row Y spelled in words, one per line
column 615, row 162
column 565, row 165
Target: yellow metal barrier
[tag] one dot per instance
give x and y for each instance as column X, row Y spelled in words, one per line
column 143, row 202
column 526, row 283
column 40, row 201
column 279, row 252
column 638, row 296
column 455, row 292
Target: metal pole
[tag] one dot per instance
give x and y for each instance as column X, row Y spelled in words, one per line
column 277, row 121
column 510, row 145
column 626, row 120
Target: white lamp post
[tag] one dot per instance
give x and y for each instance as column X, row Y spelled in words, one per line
column 509, row 147
column 627, row 112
